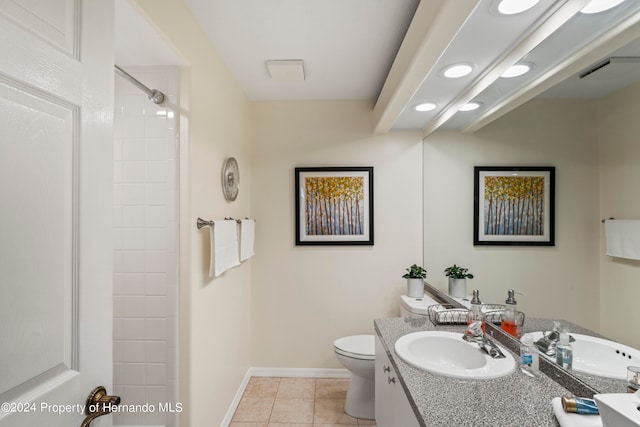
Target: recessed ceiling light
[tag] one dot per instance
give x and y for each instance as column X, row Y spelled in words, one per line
column 516, row 70
column 458, row 70
column 597, row 6
column 470, row 106
column 511, row 7
column 427, row 106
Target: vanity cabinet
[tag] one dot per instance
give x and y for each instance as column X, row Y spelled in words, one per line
column 392, row 405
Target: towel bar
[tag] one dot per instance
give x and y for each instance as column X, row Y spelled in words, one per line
column 202, row 223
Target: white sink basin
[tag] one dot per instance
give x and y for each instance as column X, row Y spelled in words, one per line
column 600, row 357
column 446, row 353
column 619, row 409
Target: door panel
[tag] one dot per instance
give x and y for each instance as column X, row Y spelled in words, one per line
column 56, row 120
column 36, row 311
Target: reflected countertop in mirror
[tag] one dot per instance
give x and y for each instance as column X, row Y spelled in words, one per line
column 580, row 384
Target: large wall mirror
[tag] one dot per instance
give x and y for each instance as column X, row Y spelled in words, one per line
column 586, row 126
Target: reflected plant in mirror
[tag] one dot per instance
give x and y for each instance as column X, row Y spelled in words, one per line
column 457, row 280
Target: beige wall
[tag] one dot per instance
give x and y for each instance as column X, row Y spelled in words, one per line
column 559, row 281
column 305, row 297
column 214, row 317
column 618, row 128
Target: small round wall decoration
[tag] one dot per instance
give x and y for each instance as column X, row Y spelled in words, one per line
column 230, row 179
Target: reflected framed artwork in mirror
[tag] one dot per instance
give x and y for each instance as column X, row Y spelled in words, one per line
column 334, row 205
column 514, row 205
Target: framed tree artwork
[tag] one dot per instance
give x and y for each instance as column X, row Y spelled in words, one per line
column 514, row 206
column 334, row 205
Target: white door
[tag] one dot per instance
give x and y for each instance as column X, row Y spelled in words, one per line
column 56, row 113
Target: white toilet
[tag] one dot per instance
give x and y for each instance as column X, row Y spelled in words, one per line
column 357, row 353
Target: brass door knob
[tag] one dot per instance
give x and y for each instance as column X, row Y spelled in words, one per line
column 98, row 403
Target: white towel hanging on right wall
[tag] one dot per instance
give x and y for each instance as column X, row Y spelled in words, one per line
column 247, row 238
column 623, row 238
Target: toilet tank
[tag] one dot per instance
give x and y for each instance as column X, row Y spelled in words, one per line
column 415, row 307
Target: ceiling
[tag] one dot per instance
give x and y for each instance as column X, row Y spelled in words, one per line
column 394, row 51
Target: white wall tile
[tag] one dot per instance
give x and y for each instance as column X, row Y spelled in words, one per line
column 133, row 171
column 155, row 239
column 132, row 127
column 157, row 394
column 118, row 351
column 156, row 374
column 134, row 351
column 155, row 306
column 133, row 149
column 155, row 284
column 129, row 284
column 156, row 351
column 134, row 329
column 155, row 216
column 133, row 105
column 156, row 150
column 156, row 194
column 155, row 262
column 133, row 216
column 132, row 262
column 134, row 374
column 117, row 150
column 156, row 329
column 157, row 171
column 133, row 194
column 145, row 245
column 128, row 306
column 117, row 216
column 155, row 127
column 133, row 239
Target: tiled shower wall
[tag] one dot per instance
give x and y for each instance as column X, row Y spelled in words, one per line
column 145, row 247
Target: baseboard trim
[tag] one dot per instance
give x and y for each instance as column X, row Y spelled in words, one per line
column 279, row 372
column 299, row 372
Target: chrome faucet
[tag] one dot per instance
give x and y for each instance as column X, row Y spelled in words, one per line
column 548, row 343
column 475, row 334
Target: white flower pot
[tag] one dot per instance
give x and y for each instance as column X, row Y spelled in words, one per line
column 415, row 288
column 457, row 288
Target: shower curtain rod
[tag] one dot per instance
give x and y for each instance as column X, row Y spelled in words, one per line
column 154, row 95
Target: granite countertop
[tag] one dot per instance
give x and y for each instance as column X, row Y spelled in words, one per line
column 513, row 400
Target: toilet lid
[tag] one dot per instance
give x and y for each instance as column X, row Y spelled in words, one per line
column 359, row 346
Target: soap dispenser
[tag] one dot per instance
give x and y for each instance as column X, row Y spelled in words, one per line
column 564, row 351
column 475, row 314
column 509, row 322
column 529, row 356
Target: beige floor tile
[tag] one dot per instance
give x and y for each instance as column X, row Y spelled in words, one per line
column 333, row 425
column 331, row 411
column 262, row 387
column 289, row 425
column 362, row 422
column 287, row 410
column 254, row 409
column 297, row 388
column 331, row 388
column 234, row 424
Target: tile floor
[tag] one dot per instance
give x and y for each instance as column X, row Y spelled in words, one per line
column 294, row 402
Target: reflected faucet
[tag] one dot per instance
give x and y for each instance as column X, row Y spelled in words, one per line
column 475, row 334
column 548, row 343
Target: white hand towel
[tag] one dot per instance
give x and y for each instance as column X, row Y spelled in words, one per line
column 623, row 238
column 567, row 419
column 247, row 237
column 224, row 247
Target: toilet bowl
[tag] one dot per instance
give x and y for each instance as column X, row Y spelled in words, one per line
column 357, row 354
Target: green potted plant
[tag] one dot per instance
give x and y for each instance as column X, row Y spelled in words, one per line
column 415, row 276
column 457, row 280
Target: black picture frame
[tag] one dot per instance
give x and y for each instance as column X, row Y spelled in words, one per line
column 334, row 205
column 514, row 205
